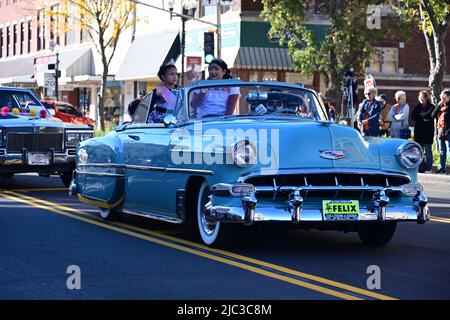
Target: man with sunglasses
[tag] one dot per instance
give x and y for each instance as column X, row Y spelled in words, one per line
column 369, row 115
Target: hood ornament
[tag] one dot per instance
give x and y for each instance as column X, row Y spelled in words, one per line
column 332, row 155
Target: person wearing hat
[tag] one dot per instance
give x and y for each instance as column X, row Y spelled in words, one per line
column 135, row 103
column 217, row 101
column 163, row 99
column 385, row 123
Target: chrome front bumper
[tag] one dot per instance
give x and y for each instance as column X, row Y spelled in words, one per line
column 296, row 209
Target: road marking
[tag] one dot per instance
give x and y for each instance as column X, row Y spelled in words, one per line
column 440, row 219
column 36, row 189
column 54, row 207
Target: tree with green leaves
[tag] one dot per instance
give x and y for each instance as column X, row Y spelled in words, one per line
column 104, row 21
column 349, row 43
column 433, row 19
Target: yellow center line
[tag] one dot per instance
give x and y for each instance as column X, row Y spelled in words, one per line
column 225, row 253
column 192, row 251
column 35, row 189
column 440, row 219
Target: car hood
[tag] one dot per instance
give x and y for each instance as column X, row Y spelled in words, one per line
column 23, row 121
column 301, row 144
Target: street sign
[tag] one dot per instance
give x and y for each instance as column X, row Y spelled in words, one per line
column 49, row 80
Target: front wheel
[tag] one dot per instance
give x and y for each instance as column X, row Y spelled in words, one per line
column 377, row 234
column 110, row 214
column 213, row 232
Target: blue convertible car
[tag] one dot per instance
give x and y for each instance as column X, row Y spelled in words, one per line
column 229, row 152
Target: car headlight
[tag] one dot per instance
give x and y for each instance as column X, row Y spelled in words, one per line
column 85, row 136
column 73, row 137
column 244, row 153
column 410, row 155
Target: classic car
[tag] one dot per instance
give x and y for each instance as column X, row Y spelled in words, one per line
column 66, row 112
column 31, row 140
column 276, row 159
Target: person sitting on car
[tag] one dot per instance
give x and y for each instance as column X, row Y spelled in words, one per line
column 216, row 101
column 163, row 99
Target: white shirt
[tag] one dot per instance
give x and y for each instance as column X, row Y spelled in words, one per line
column 215, row 101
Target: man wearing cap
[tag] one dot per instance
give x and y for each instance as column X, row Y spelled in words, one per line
column 385, row 124
column 134, row 104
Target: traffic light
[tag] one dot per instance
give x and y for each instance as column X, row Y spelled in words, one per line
column 208, row 46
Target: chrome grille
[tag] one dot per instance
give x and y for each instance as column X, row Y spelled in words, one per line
column 34, row 142
column 311, row 184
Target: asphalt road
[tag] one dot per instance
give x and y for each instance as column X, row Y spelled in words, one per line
column 43, row 232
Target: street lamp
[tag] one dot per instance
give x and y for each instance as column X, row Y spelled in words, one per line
column 189, row 7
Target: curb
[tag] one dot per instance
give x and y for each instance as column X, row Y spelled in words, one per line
column 433, row 178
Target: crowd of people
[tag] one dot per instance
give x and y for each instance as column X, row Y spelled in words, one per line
column 376, row 117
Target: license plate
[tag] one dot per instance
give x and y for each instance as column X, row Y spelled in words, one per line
column 340, row 209
column 38, row 159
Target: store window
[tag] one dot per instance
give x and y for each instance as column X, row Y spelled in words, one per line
column 384, row 60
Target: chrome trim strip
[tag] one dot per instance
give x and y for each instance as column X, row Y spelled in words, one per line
column 144, row 168
column 196, row 171
column 321, row 171
column 152, row 216
column 147, row 168
column 109, row 165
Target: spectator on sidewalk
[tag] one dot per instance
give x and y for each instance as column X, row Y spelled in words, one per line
column 442, row 114
column 424, row 128
column 369, row 115
column 399, row 116
column 385, row 123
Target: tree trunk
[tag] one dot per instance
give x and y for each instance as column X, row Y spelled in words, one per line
column 101, row 104
column 436, row 79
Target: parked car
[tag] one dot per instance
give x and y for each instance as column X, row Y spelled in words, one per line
column 31, row 140
column 67, row 112
column 276, row 159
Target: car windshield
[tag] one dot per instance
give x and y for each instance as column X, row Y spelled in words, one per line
column 253, row 100
column 21, row 100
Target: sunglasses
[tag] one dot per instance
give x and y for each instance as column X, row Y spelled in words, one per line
column 367, row 93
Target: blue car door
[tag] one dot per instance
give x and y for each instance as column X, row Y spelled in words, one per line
column 145, row 158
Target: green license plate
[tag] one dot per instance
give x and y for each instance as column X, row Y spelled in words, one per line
column 340, row 209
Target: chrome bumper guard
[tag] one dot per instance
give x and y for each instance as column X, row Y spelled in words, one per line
column 293, row 210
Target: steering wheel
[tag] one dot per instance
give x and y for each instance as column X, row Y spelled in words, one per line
column 287, row 111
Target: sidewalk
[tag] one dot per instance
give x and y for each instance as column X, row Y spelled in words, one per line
column 433, row 177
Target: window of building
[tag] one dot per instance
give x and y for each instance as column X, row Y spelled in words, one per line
column 212, row 10
column 29, row 37
column 54, row 34
column 40, row 30
column 1, row 43
column 384, row 60
column 70, row 34
column 8, row 41
column 14, row 39
column 22, row 33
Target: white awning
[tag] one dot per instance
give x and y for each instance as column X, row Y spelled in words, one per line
column 145, row 56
